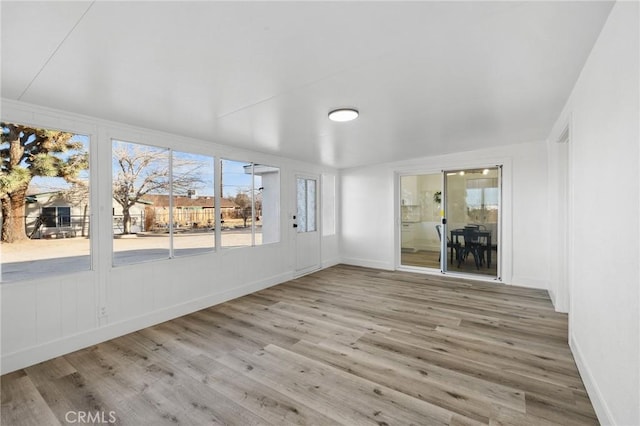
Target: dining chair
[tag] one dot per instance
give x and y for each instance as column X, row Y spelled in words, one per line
column 484, row 246
column 471, row 246
column 451, row 245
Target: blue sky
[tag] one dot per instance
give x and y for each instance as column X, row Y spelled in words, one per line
column 234, row 178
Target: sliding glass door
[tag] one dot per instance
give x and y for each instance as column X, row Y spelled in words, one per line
column 472, row 221
column 420, row 205
column 450, row 221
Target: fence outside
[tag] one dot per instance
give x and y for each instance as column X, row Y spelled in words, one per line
column 62, row 226
column 182, row 218
column 68, row 226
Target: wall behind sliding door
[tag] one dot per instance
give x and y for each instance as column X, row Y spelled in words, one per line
column 370, row 220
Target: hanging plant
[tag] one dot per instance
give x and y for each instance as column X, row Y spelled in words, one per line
column 437, row 197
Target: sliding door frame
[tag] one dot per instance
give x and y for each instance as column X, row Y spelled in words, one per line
column 399, row 219
column 504, row 256
column 445, row 226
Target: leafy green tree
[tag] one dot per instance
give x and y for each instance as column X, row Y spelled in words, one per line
column 27, row 152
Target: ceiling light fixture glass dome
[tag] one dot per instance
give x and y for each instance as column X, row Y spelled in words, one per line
column 343, row 114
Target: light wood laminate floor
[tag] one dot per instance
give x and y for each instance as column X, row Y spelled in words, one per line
column 345, row 345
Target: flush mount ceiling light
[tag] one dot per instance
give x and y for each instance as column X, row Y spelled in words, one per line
column 343, row 114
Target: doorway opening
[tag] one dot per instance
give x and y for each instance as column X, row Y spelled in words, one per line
column 450, row 221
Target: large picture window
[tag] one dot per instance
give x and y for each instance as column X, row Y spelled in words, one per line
column 250, row 198
column 193, row 203
column 44, row 192
column 141, row 175
column 237, row 209
column 163, row 203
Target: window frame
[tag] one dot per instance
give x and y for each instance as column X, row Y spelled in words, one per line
column 252, row 190
column 56, row 218
column 86, row 130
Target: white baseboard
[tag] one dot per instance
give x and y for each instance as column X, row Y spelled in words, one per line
column 366, row 263
column 599, row 403
column 552, row 296
column 331, row 262
column 558, row 305
column 39, row 353
column 529, row 282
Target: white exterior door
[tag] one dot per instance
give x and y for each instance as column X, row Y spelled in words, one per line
column 306, row 224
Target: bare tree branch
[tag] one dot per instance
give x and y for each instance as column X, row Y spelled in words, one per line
column 143, row 170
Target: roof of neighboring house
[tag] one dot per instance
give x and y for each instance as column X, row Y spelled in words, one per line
column 43, row 193
column 159, row 200
column 35, row 197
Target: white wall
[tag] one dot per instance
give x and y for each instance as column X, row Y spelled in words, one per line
column 43, row 318
column 602, row 114
column 370, row 226
column 367, row 217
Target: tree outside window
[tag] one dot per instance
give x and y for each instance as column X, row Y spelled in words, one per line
column 44, row 196
column 28, row 153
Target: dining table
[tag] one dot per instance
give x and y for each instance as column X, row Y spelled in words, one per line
column 484, row 237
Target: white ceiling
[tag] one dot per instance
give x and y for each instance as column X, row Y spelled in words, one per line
column 427, row 77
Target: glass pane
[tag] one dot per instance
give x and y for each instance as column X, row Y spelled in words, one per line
column 49, row 217
column 193, row 204
column 472, row 212
column 328, row 204
column 140, row 177
column 45, row 215
column 420, row 205
column 236, row 209
column 311, row 205
column 64, row 216
column 301, row 196
column 267, row 203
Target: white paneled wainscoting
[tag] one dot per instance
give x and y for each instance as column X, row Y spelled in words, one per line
column 49, row 315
